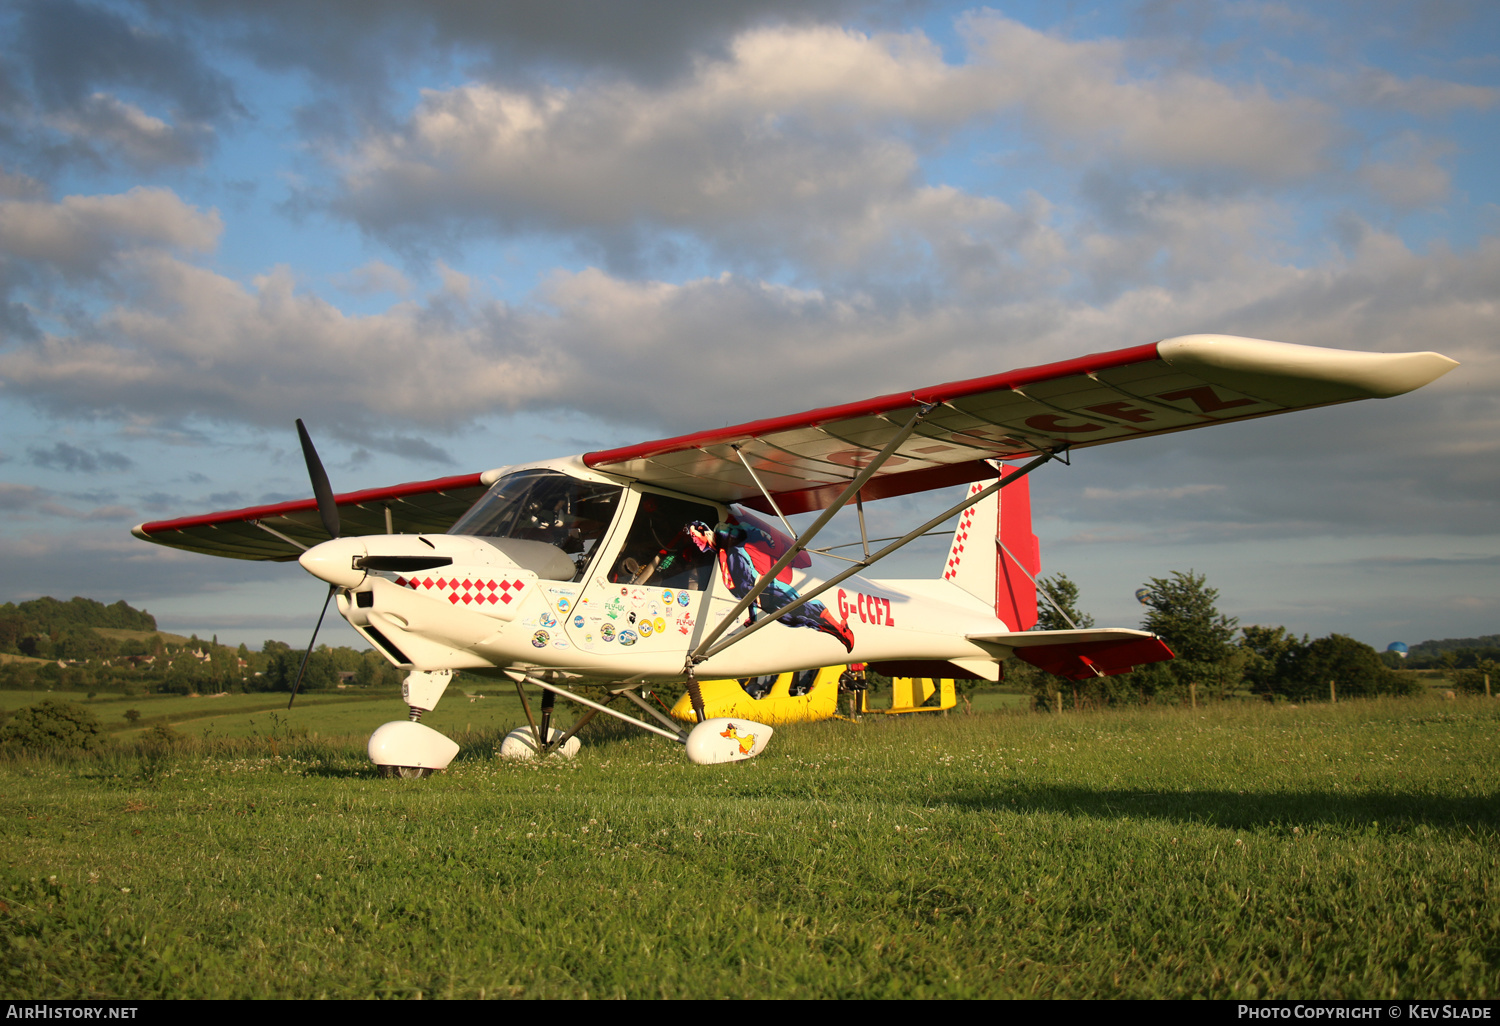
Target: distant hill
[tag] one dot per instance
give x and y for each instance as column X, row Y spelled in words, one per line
column 121, row 634
column 1433, row 649
column 25, row 625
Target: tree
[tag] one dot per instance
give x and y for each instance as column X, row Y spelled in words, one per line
column 1268, row 655
column 281, row 669
column 1354, row 667
column 54, row 724
column 1065, row 593
column 161, row 736
column 1472, row 681
column 1184, row 612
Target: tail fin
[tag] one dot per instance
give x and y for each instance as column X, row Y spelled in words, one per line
column 1003, row 570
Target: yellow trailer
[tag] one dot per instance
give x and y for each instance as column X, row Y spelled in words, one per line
column 808, row 696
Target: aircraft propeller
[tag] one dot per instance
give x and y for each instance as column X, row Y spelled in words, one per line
column 328, row 512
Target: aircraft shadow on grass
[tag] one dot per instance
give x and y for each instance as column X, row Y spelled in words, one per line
column 1250, row 810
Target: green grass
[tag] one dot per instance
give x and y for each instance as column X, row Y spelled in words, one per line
column 1239, row 851
column 314, row 714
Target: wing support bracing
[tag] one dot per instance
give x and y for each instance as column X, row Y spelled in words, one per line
column 272, row 531
column 655, row 713
column 518, row 677
column 702, row 652
column 711, row 646
column 761, row 485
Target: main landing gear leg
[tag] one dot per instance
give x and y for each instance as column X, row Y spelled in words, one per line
column 539, row 738
column 536, row 735
column 695, row 693
column 549, row 699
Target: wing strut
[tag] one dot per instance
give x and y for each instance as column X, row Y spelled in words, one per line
column 519, row 676
column 769, row 497
column 710, row 646
column 699, row 654
column 272, row 531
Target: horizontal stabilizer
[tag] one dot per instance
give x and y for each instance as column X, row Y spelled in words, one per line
column 1079, row 655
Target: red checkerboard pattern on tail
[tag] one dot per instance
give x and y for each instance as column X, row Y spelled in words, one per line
column 978, row 563
column 469, row 590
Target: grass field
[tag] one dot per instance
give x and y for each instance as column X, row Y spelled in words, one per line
column 315, row 714
column 1236, row 851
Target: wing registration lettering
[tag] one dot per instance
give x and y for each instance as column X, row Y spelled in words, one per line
column 1206, row 398
column 1123, row 411
column 1052, row 423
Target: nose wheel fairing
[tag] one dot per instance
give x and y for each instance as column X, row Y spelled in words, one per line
column 404, row 745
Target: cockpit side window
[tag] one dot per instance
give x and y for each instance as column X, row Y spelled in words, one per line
column 670, row 545
column 545, row 506
column 803, row 681
column 759, row 687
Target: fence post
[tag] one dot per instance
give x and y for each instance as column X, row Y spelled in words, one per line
column 1059, row 701
column 1332, row 694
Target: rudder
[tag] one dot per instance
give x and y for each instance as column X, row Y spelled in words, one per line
column 1003, row 571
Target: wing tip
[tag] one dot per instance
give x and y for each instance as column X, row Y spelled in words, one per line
column 1340, row 373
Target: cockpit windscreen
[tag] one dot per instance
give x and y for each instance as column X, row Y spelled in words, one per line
column 545, row 506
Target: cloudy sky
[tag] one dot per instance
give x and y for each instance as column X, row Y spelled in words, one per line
column 453, row 236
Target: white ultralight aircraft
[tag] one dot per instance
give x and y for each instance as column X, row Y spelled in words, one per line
column 649, row 563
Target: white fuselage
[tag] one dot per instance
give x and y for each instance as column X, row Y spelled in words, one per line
column 484, row 610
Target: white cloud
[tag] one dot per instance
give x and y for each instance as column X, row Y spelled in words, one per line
column 201, row 343
column 16, row 186
column 684, row 355
column 806, row 143
column 106, row 122
column 77, row 235
column 1406, row 172
column 20, row 502
column 374, row 278
column 1085, row 98
column 1375, row 87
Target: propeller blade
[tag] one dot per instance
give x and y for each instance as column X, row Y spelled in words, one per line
column 308, row 654
column 328, row 509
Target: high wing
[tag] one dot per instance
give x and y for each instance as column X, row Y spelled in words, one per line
column 414, row 508
column 806, row 459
